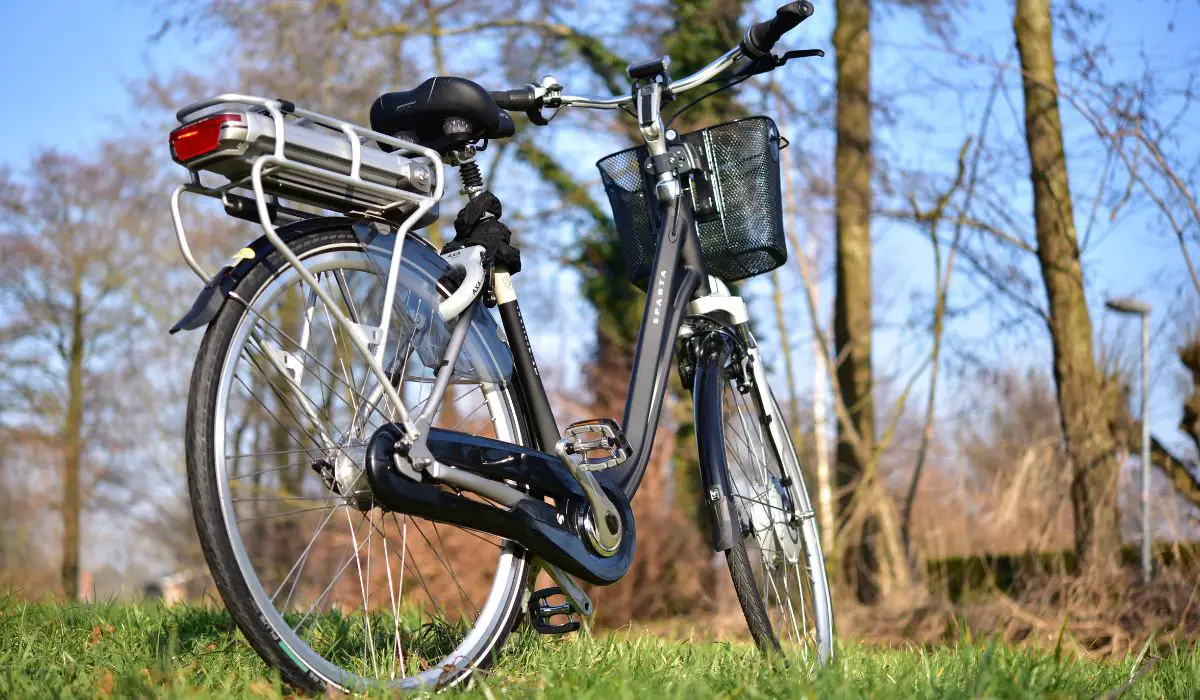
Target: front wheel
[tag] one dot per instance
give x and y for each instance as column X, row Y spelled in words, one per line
column 776, row 561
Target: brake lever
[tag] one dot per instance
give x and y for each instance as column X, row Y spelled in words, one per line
column 535, row 116
column 551, row 89
column 799, row 53
column 769, row 62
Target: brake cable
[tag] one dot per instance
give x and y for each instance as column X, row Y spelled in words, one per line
column 765, row 64
column 728, row 84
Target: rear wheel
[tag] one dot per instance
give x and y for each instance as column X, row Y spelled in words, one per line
column 327, row 586
column 776, row 562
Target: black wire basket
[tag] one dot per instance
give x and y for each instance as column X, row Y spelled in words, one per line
column 736, row 196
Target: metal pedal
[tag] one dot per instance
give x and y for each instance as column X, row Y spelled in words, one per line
column 599, row 441
column 541, row 611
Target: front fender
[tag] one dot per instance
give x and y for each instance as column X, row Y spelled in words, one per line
column 712, row 354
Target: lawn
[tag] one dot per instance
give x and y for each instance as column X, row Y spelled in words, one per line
column 123, row 650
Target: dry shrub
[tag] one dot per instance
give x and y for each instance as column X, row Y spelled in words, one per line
column 1112, row 615
column 1109, row 615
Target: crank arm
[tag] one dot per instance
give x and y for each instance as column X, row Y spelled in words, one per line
column 570, row 587
column 603, row 524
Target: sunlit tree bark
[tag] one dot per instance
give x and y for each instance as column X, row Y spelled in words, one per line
column 852, row 302
column 1080, row 386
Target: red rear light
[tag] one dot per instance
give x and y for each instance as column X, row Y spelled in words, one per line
column 199, row 138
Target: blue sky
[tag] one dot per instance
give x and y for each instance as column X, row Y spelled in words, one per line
column 66, row 66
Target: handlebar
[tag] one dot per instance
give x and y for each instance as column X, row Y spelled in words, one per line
column 518, row 100
column 762, row 37
column 758, row 42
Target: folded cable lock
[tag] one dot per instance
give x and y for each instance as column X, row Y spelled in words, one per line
column 478, row 223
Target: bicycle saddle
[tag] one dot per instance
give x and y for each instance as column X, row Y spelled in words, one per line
column 442, row 113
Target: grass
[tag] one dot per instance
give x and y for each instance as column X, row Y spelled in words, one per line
column 50, row 650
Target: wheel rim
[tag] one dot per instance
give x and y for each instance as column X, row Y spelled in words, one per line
column 410, row 626
column 776, row 524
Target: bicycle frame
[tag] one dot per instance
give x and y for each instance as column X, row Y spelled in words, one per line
column 678, row 274
column 476, row 464
column 553, row 534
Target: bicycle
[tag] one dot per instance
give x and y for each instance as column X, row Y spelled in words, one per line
column 340, row 347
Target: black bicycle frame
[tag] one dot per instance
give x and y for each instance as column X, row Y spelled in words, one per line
column 678, row 274
column 555, row 533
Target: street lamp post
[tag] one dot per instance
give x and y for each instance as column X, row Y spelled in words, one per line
column 1129, row 305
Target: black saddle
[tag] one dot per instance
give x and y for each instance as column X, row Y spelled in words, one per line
column 442, row 113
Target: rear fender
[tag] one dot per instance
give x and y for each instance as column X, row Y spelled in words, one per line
column 212, row 297
column 422, row 265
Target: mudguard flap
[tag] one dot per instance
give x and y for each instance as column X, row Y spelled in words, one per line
column 208, row 303
column 215, row 291
column 210, row 299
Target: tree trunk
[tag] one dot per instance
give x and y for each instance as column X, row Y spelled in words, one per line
column 820, row 439
column 73, row 451
column 852, row 304
column 1081, row 388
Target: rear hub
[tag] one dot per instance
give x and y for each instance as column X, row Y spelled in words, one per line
column 342, row 470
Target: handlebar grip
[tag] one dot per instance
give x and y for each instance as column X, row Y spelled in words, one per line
column 519, row 100
column 762, row 37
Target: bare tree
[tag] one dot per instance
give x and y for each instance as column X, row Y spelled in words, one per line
column 72, row 240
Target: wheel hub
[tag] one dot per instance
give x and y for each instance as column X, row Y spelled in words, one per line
column 769, row 513
column 350, row 475
column 343, row 472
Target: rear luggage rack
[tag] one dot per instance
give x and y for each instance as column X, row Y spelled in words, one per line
column 320, row 162
column 271, row 150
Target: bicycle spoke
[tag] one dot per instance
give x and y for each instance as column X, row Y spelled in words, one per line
column 292, row 512
column 320, row 365
column 421, row 580
column 325, row 593
column 462, row 595
column 399, row 647
column 288, row 499
column 269, row 470
column 252, row 455
column 362, row 584
column 298, row 567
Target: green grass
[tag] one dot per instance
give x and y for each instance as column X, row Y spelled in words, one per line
column 147, row 650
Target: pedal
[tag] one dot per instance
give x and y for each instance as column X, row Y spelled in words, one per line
column 599, row 441
column 541, row 611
